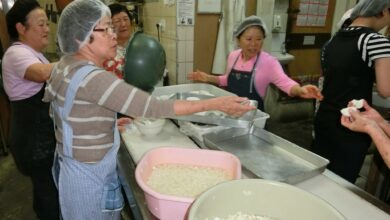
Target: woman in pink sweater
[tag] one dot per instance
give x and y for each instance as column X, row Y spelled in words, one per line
column 250, row 70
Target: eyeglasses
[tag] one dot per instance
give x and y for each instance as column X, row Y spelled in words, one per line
column 108, row 30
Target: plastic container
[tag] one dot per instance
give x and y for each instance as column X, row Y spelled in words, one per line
column 167, row 207
column 149, row 127
column 263, row 198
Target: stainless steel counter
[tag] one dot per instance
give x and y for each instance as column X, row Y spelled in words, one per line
column 351, row 201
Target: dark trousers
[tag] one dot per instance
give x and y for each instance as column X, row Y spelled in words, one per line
column 45, row 196
column 344, row 148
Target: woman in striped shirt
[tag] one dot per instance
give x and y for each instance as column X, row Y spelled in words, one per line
column 351, row 61
column 85, row 100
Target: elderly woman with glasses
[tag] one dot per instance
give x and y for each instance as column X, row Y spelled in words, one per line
column 85, row 100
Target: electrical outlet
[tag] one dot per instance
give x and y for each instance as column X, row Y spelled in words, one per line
column 162, row 25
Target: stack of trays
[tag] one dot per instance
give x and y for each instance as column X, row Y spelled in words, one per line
column 206, row 91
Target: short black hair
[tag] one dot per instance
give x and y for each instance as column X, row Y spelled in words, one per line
column 118, row 8
column 18, row 13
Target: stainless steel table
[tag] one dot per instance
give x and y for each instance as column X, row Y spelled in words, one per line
column 350, row 200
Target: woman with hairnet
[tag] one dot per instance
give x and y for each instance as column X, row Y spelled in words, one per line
column 250, row 70
column 25, row 70
column 351, row 61
column 85, row 99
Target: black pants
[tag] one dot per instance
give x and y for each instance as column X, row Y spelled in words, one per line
column 344, row 148
column 45, row 196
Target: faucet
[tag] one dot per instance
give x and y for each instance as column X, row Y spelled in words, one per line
column 283, row 48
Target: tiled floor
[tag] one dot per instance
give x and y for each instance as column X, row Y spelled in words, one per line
column 16, row 193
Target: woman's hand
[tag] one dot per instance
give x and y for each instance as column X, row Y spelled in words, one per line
column 122, row 122
column 198, row 76
column 231, row 105
column 310, row 92
column 358, row 121
column 369, row 112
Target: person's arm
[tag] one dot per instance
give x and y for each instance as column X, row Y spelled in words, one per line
column 117, row 95
column 306, row 92
column 231, row 105
column 381, row 140
column 382, row 67
column 203, row 77
column 271, row 71
column 357, row 122
column 373, row 124
column 38, row 72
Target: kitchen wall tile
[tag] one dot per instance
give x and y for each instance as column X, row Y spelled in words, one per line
column 181, row 33
column 190, row 33
column 181, row 51
column 180, row 72
column 189, row 51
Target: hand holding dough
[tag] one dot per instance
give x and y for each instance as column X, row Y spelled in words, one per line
column 345, row 111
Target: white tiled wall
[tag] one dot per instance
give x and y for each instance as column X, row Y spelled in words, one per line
column 185, row 52
column 177, row 40
column 279, row 35
column 153, row 12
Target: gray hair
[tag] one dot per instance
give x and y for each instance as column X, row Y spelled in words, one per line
column 76, row 23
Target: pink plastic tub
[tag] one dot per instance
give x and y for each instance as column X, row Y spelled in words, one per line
column 167, row 207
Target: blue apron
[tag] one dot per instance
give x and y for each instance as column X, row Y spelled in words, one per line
column 87, row 191
column 242, row 84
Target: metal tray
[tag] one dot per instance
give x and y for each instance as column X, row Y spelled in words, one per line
column 169, row 90
column 202, row 91
column 266, row 155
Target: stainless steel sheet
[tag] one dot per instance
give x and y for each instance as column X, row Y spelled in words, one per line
column 266, row 155
column 204, row 91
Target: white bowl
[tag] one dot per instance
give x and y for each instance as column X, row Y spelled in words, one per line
column 149, row 126
column 260, row 197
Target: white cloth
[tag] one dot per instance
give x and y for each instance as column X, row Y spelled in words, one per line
column 233, row 13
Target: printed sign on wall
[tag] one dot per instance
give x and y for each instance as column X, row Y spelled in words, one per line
column 312, row 13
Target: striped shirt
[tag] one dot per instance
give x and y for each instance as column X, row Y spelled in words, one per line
column 100, row 96
column 372, row 46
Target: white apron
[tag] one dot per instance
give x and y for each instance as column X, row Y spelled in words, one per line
column 86, row 191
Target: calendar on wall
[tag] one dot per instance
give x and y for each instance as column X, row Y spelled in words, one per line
column 312, row 13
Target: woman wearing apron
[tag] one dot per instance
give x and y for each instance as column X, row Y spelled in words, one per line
column 85, row 100
column 351, row 61
column 250, row 70
column 25, row 69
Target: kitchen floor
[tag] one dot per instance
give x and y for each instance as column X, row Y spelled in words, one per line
column 16, row 193
column 15, row 189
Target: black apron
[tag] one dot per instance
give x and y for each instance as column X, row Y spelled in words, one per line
column 347, row 77
column 32, row 138
column 242, row 84
column 32, row 144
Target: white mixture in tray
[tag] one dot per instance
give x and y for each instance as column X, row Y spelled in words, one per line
column 241, row 216
column 185, row 180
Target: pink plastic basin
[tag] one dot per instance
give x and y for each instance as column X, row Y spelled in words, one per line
column 167, row 207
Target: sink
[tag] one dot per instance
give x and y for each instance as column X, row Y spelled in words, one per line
column 283, row 58
column 379, row 101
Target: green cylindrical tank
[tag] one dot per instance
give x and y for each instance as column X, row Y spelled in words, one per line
column 145, row 62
